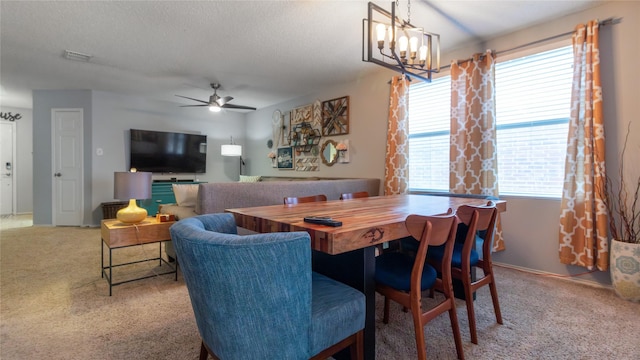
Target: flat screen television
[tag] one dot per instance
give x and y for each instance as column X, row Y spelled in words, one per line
column 168, row 152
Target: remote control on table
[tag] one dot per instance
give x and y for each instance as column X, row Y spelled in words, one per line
column 322, row 221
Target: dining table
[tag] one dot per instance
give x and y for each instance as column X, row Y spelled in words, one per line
column 347, row 253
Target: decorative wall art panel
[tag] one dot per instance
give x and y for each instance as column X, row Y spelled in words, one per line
column 285, row 158
column 305, row 128
column 307, row 163
column 335, row 116
column 302, row 114
column 317, row 115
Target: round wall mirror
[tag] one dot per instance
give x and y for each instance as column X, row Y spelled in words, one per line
column 329, row 154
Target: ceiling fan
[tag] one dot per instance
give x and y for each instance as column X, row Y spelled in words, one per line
column 217, row 103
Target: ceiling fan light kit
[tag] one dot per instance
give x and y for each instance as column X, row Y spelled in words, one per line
column 217, row 103
column 409, row 49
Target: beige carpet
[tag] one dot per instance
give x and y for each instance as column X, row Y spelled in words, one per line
column 55, row 305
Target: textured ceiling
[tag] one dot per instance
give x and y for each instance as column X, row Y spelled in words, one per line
column 262, row 52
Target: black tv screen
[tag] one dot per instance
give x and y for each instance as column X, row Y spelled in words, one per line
column 168, row 152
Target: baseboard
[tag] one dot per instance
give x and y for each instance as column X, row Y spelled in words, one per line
column 569, row 278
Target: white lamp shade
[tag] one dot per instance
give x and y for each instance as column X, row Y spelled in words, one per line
column 132, row 185
column 231, row 150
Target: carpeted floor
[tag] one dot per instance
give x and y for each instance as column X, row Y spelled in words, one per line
column 55, row 305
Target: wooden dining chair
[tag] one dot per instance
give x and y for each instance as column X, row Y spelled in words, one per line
column 304, row 199
column 354, row 195
column 476, row 229
column 402, row 278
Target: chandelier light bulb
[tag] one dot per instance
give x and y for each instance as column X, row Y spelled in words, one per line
column 403, row 43
column 381, row 31
column 423, row 53
column 214, row 108
column 413, row 43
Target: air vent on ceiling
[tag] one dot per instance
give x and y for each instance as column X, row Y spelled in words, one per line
column 74, row 55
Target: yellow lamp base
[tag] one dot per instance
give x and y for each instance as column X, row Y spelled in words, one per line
column 132, row 214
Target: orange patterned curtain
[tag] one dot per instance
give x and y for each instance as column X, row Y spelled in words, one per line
column 583, row 222
column 473, row 157
column 396, row 167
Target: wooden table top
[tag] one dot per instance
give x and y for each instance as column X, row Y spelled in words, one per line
column 365, row 221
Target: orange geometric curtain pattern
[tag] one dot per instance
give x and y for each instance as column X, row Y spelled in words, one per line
column 583, row 221
column 396, row 167
column 473, row 157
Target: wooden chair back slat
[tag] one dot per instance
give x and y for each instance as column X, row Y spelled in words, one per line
column 304, row 199
column 354, row 195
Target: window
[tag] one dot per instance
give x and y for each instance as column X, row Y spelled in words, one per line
column 533, row 95
column 429, row 119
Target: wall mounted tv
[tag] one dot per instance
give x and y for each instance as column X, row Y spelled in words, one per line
column 168, row 152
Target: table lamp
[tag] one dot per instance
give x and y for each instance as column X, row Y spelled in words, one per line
column 132, row 186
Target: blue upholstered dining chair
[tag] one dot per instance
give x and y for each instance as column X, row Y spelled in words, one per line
column 402, row 277
column 255, row 296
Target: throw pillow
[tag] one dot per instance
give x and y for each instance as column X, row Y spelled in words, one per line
column 186, row 194
column 245, row 178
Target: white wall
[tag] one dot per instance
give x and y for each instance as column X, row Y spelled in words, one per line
column 43, row 102
column 368, row 106
column 115, row 114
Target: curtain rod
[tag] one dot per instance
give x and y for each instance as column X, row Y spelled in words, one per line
column 608, row 21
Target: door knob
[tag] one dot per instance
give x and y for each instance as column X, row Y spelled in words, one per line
column 57, row 174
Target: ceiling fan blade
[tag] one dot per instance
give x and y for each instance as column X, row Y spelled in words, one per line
column 223, row 100
column 215, row 100
column 239, row 107
column 186, row 97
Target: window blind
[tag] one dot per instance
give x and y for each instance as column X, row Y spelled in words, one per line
column 533, row 95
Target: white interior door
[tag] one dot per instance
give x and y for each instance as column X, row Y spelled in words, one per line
column 7, row 151
column 67, row 166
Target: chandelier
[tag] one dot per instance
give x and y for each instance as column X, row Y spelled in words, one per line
column 403, row 47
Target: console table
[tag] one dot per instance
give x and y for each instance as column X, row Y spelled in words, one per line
column 117, row 235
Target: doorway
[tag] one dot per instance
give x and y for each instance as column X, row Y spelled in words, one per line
column 7, row 168
column 67, row 164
